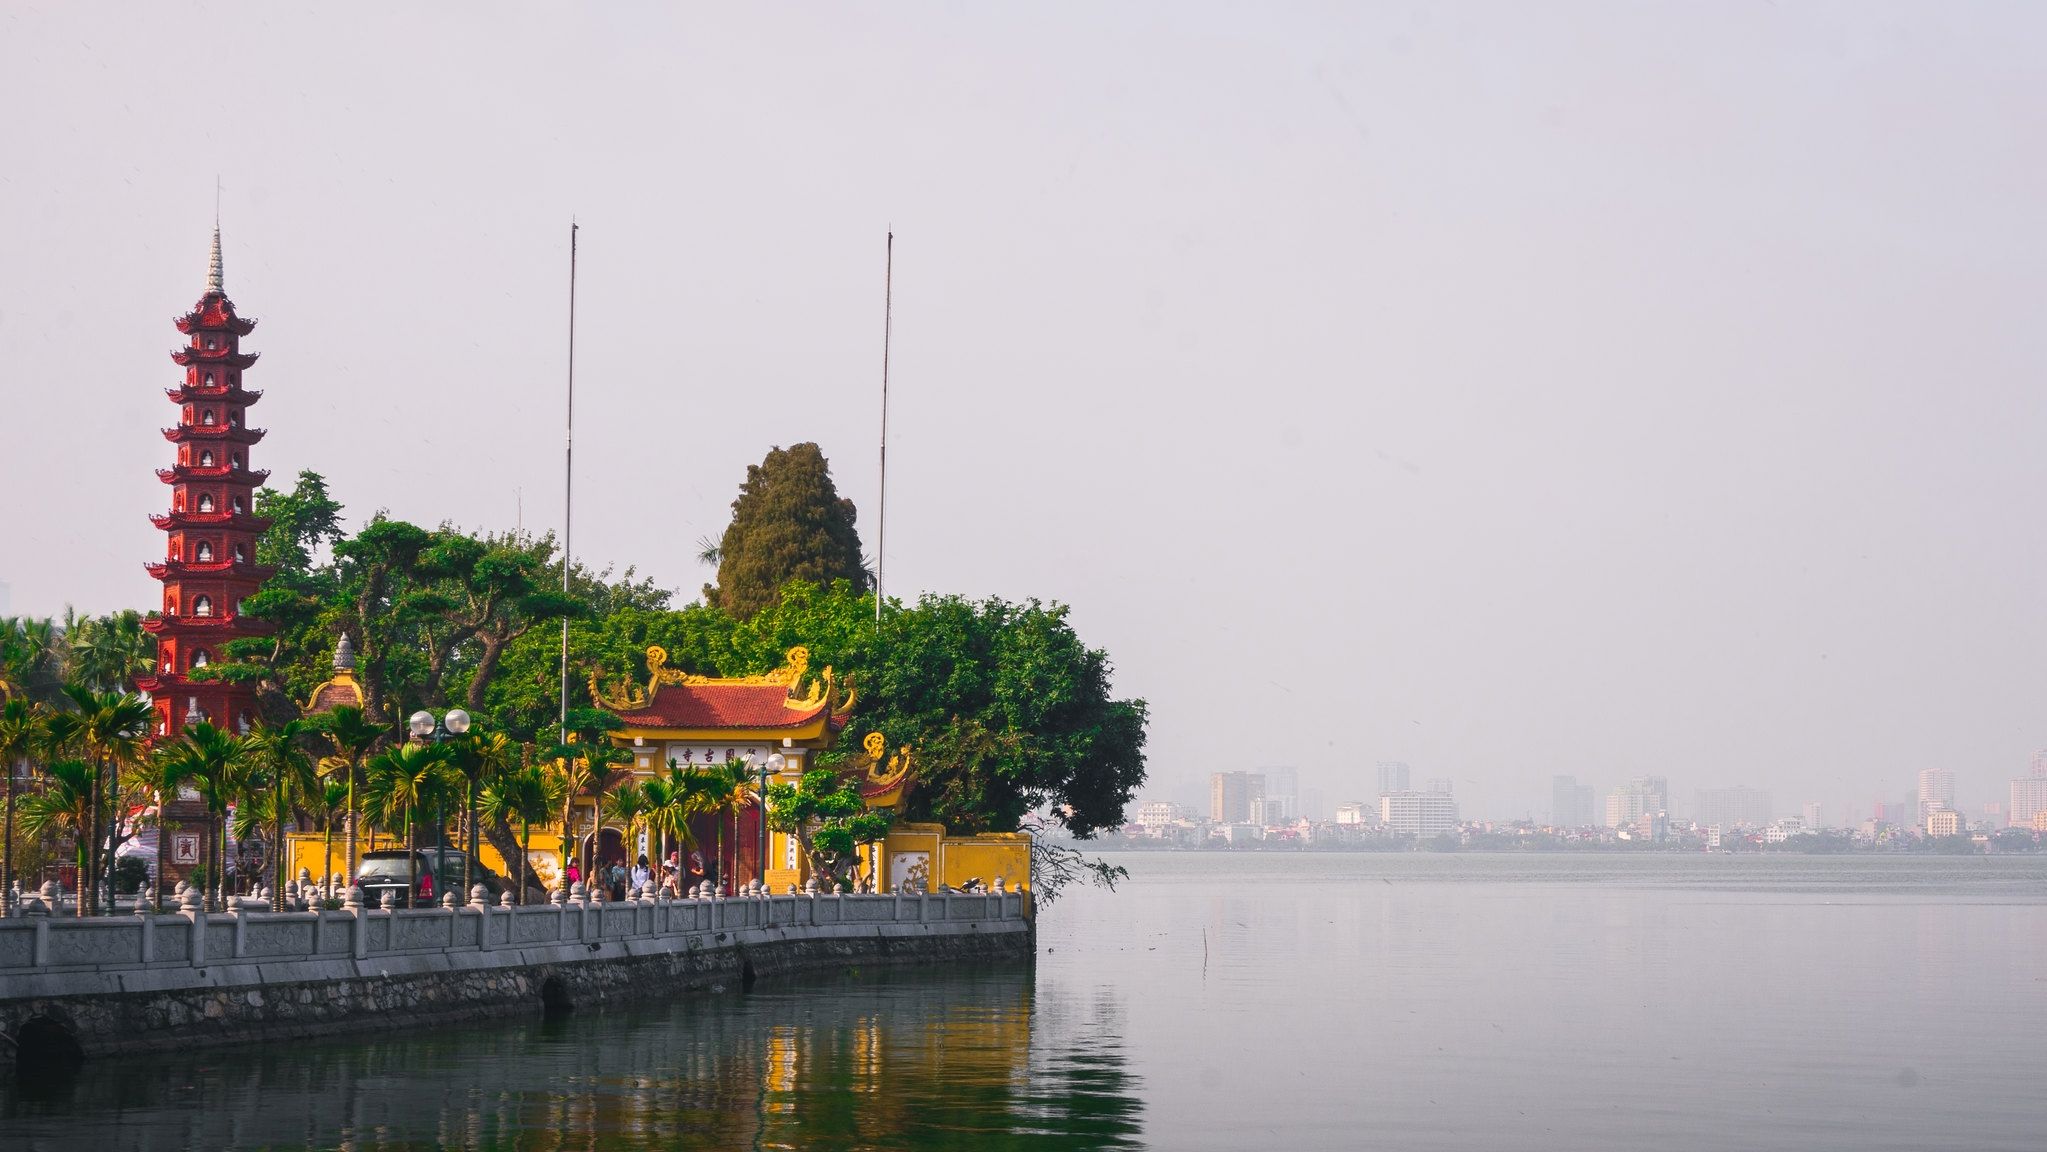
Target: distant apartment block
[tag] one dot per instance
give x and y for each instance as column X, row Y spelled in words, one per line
column 1284, row 786
column 1160, row 813
column 1811, row 817
column 1570, row 803
column 1936, row 790
column 1945, row 822
column 1393, row 777
column 2028, row 798
column 1355, row 812
column 1233, row 797
column 1732, row 807
column 1413, row 813
column 1642, row 796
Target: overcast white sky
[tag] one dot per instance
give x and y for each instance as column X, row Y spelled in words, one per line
column 1508, row 389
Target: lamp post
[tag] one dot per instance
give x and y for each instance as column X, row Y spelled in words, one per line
column 425, row 727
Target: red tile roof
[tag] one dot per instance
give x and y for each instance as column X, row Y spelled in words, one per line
column 721, row 706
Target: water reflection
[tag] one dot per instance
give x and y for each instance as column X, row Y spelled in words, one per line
column 900, row 1060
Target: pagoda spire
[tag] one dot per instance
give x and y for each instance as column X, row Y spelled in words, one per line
column 213, row 272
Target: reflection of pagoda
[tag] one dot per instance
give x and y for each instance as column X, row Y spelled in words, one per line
column 210, row 567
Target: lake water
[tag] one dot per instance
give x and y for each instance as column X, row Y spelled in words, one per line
column 1250, row 1001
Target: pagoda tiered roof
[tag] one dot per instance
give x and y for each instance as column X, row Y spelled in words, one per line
column 214, row 312
column 224, row 357
column 228, row 432
column 235, row 625
column 199, row 393
column 189, row 569
column 237, row 521
column 188, row 472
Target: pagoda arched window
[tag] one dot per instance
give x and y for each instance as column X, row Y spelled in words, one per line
column 170, row 605
column 205, row 552
column 206, row 458
column 206, row 501
column 209, row 375
column 238, row 505
column 200, row 659
column 206, row 418
column 237, row 459
column 241, row 554
column 202, row 606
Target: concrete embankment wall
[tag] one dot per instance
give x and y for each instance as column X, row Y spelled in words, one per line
column 125, row 984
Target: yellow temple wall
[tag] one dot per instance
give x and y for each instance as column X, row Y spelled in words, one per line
column 543, row 851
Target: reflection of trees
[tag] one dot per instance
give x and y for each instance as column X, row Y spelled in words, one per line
column 911, row 1059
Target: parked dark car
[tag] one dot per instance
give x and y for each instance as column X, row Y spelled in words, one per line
column 387, row 871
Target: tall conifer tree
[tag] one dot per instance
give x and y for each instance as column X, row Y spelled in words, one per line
column 789, row 523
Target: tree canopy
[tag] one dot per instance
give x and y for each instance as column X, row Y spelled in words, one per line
column 788, row 523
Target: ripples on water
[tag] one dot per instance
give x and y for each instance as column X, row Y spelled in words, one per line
column 1237, row 1001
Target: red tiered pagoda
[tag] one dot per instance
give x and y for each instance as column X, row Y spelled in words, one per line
column 211, row 565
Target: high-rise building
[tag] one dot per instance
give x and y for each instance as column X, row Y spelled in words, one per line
column 1570, row 803
column 1284, row 786
column 1945, row 822
column 1158, row 814
column 1418, row 813
column 2028, row 799
column 1355, row 812
column 1639, row 797
column 1936, row 790
column 1811, row 818
column 1732, row 807
column 1233, row 797
column 1393, row 776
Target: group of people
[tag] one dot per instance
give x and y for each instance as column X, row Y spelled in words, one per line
column 674, row 877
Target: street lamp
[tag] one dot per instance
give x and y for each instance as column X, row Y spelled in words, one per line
column 437, row 732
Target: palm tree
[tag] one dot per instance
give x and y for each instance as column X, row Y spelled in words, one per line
column 524, row 795
column 21, row 734
column 353, row 735
column 158, row 776
column 723, row 790
column 400, row 783
column 109, row 652
column 66, row 803
column 287, row 774
column 333, row 796
column 108, row 730
column 215, row 762
column 626, row 806
column 480, row 759
column 671, row 801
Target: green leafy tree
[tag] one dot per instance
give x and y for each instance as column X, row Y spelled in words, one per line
column 829, row 820
column 788, row 523
column 480, row 758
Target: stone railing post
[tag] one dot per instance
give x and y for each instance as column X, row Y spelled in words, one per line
column 359, row 923
column 147, row 951
column 479, row 899
column 193, row 908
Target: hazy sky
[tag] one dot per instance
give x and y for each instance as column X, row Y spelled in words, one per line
column 1508, row 389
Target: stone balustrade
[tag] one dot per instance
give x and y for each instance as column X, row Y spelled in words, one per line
column 43, row 954
column 161, row 980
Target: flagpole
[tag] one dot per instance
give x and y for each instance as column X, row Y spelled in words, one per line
column 568, row 483
column 887, row 322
